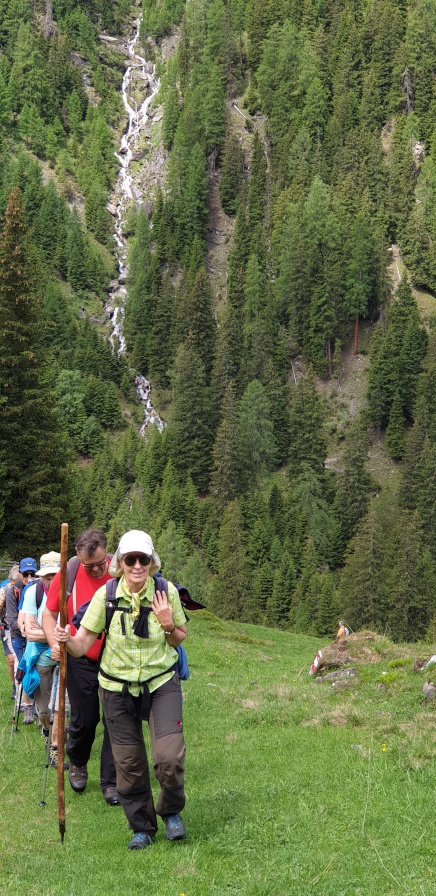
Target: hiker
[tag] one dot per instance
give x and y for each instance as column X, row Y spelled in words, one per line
column 37, row 650
column 5, row 634
column 26, row 570
column 138, row 681
column 342, row 631
column 90, row 569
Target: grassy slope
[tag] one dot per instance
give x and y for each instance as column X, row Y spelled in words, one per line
column 292, row 785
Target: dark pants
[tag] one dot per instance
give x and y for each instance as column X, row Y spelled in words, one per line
column 123, row 718
column 18, row 645
column 82, row 685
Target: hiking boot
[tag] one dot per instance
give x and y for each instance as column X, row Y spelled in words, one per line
column 54, row 759
column 78, row 777
column 111, row 796
column 29, row 714
column 175, row 829
column 140, row 841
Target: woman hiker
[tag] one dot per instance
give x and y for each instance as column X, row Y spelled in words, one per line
column 138, row 681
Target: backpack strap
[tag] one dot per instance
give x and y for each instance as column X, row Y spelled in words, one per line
column 39, row 594
column 161, row 584
column 72, row 570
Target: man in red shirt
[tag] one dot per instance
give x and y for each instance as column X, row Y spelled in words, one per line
column 82, row 673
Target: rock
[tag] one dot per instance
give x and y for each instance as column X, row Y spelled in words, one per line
column 111, row 209
column 429, row 690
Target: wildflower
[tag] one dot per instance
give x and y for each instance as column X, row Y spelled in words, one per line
column 384, row 748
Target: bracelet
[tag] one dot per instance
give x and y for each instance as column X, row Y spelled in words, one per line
column 172, row 630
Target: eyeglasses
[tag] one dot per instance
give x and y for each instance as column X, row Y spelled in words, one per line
column 131, row 559
column 94, row 565
column 29, row 572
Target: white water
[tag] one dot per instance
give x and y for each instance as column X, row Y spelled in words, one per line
column 125, row 193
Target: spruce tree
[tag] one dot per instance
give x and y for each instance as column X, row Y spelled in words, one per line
column 190, row 432
column 225, row 483
column 32, row 449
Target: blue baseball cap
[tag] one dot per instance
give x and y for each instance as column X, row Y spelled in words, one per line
column 28, row 564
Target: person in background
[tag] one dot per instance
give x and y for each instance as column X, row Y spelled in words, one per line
column 5, row 634
column 26, row 571
column 138, row 680
column 33, row 607
column 342, row 631
column 91, row 571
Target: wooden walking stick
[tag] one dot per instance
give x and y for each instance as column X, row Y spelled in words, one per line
column 62, row 680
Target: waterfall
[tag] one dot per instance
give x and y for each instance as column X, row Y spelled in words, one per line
column 139, row 71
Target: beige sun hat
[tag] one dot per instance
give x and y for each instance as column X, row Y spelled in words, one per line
column 134, row 542
column 49, row 563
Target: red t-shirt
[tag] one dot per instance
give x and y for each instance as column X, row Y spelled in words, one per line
column 86, row 586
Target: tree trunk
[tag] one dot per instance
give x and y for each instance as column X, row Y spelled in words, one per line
column 356, row 335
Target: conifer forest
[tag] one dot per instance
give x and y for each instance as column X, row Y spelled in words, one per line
column 272, row 277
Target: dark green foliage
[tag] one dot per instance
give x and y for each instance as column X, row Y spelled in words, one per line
column 190, row 433
column 225, row 483
column 231, row 174
column 231, row 596
column 256, row 438
column 395, row 429
column 34, row 457
column 396, row 358
column 353, row 484
column 307, row 440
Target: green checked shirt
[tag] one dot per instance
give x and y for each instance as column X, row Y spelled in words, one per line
column 126, row 656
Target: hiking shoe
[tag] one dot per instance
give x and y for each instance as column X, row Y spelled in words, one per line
column 111, row 796
column 140, row 841
column 29, row 714
column 54, row 759
column 175, row 829
column 78, row 777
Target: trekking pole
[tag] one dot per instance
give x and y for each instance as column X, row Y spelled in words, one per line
column 62, row 681
column 19, row 678
column 54, row 690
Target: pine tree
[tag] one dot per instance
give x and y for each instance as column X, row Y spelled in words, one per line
column 231, row 174
column 225, row 483
column 256, row 190
column 279, row 601
column 201, row 320
column 231, row 602
column 32, row 449
column 256, row 439
column 353, row 483
column 395, row 429
column 360, row 281
column 407, row 581
column 190, row 433
column 307, row 438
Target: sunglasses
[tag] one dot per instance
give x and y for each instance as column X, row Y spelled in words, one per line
column 131, row 559
column 95, row 565
column 29, row 572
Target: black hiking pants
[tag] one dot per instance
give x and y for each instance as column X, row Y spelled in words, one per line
column 124, row 721
column 82, row 686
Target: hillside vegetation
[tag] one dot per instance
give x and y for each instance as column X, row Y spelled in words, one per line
column 299, row 139
column 293, row 786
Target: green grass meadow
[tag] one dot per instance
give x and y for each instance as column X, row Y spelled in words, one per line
column 293, row 786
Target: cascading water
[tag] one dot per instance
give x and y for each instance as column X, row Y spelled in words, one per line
column 141, row 76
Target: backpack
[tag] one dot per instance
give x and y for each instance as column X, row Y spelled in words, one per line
column 142, row 621
column 39, row 593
